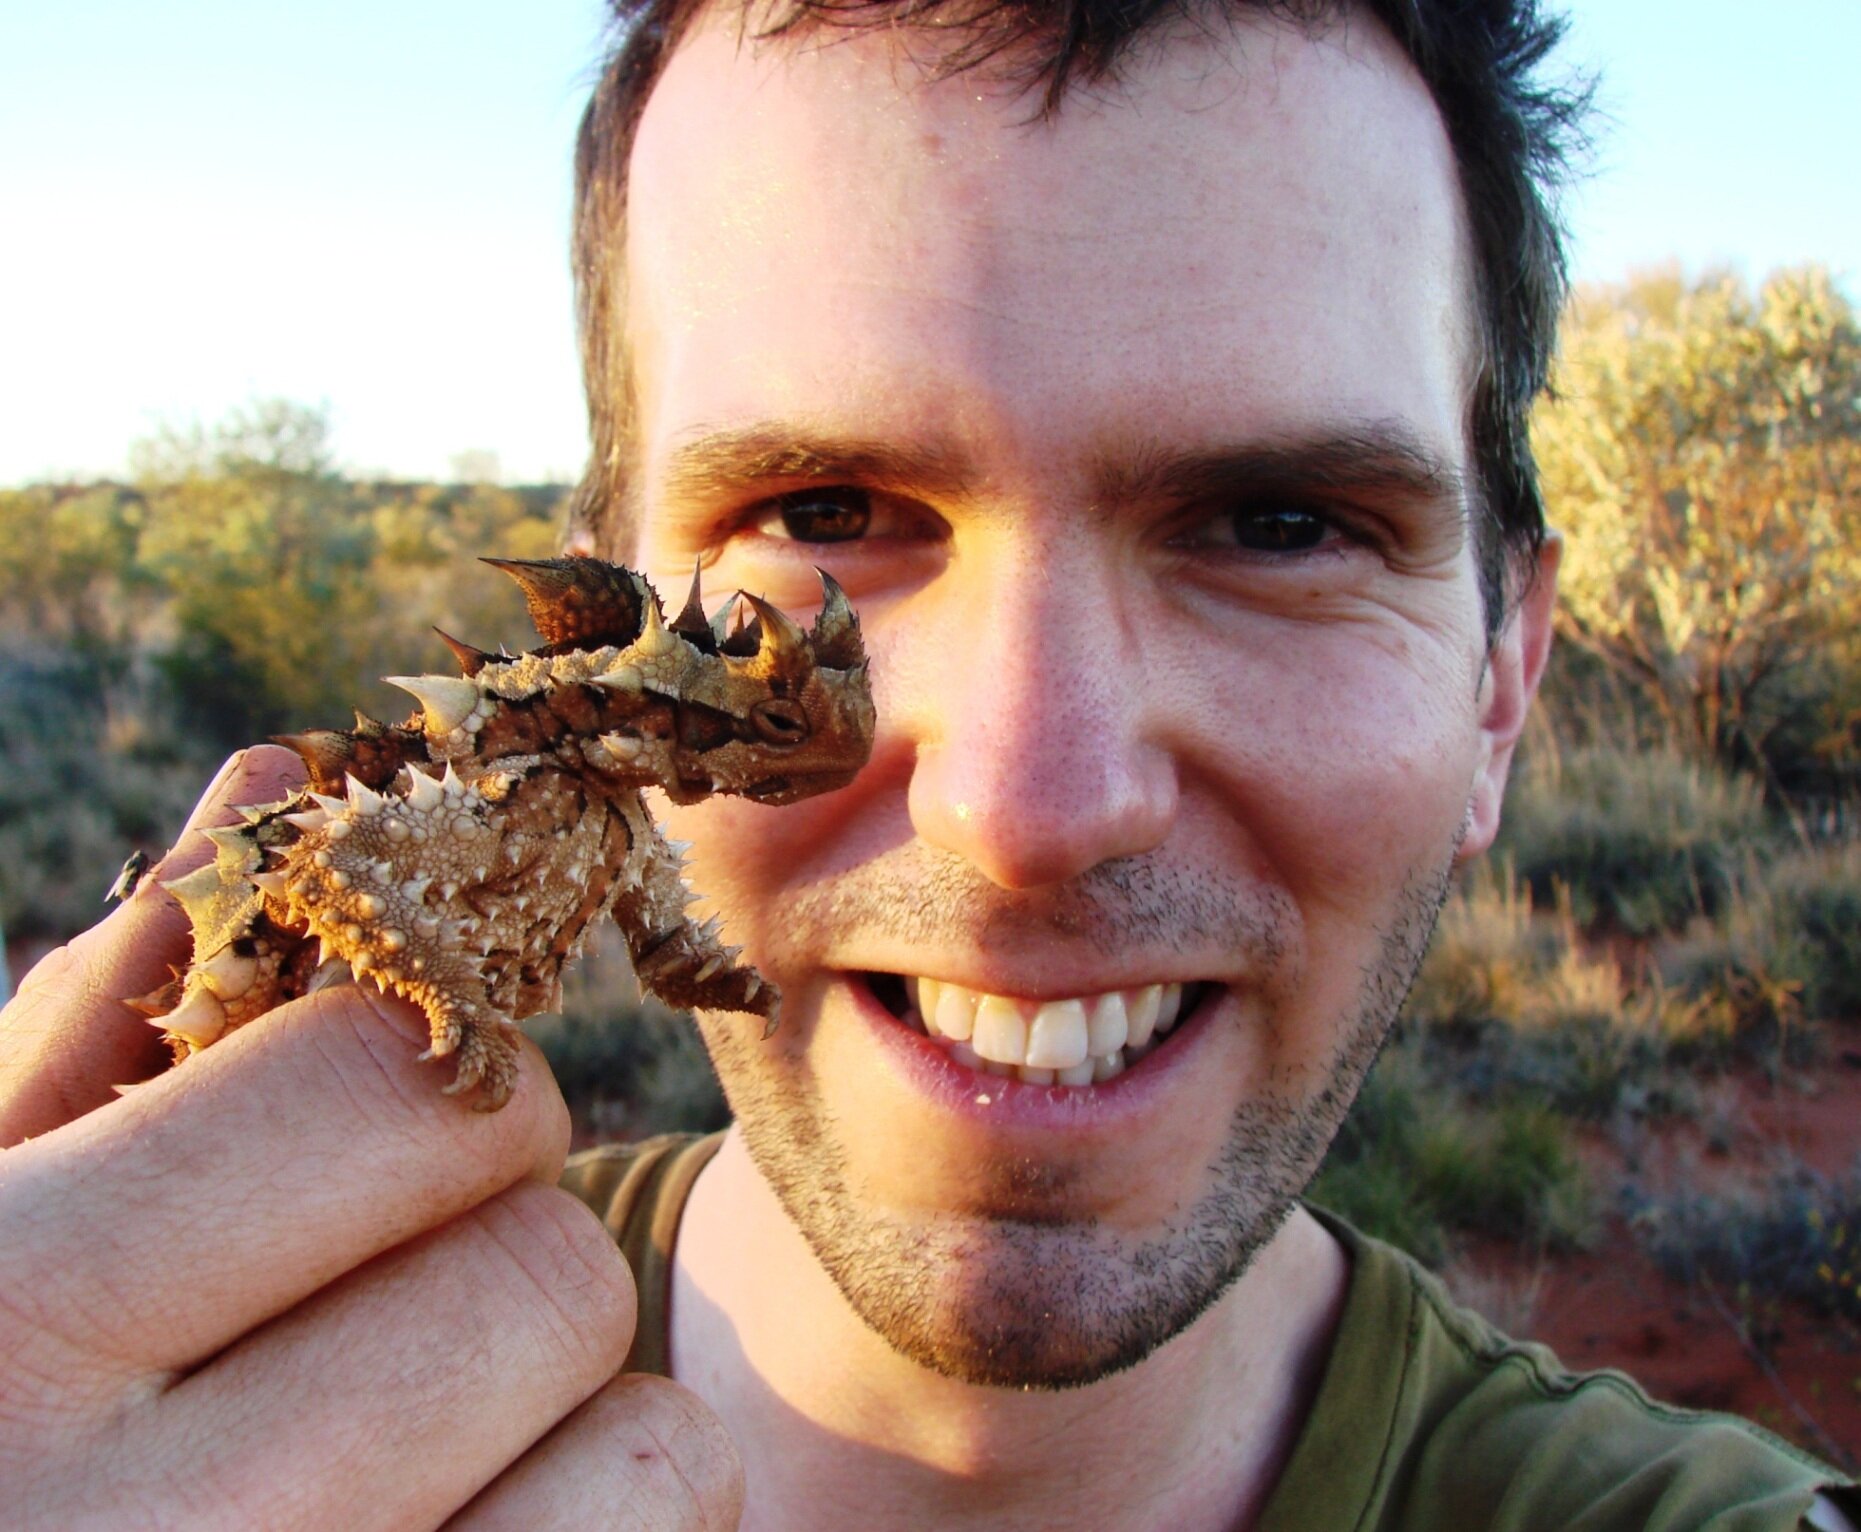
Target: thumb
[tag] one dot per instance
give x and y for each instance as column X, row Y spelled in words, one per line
column 67, row 1037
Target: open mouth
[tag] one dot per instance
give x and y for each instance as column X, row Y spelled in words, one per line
column 1077, row 1041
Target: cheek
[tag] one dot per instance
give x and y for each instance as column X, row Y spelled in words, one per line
column 1347, row 777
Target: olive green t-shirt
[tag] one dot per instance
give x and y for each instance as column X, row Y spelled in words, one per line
column 1427, row 1420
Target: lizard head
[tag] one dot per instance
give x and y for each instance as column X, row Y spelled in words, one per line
column 770, row 711
column 766, row 710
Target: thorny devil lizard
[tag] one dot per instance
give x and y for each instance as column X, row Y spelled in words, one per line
column 459, row 859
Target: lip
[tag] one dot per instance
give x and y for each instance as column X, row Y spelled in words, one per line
column 1000, row 1101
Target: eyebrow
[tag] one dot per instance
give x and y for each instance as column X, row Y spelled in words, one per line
column 719, row 462
column 1378, row 459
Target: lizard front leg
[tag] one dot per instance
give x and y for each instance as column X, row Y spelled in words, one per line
column 679, row 959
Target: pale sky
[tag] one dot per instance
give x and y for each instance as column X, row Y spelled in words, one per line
column 364, row 206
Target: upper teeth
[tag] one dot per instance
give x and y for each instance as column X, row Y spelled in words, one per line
column 1070, row 1041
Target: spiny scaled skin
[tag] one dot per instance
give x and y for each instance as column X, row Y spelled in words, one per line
column 460, row 859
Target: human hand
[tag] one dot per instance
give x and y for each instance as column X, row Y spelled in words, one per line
column 292, row 1284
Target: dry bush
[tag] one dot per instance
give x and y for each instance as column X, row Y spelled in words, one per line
column 1643, row 840
column 1797, row 1238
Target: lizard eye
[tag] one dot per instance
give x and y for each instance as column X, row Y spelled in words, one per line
column 780, row 721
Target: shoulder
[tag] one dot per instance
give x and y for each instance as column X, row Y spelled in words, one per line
column 618, row 1181
column 639, row 1191
column 1473, row 1428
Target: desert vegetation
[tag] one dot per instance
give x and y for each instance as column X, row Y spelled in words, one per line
column 1670, row 917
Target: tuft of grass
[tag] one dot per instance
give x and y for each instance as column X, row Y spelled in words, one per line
column 1777, row 962
column 1417, row 1164
column 1816, row 903
column 1511, row 1002
column 1644, row 840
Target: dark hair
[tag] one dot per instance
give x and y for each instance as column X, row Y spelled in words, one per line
column 1511, row 134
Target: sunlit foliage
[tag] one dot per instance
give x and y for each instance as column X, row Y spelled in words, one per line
column 1704, row 460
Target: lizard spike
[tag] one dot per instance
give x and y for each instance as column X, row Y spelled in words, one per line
column 196, row 891
column 691, row 621
column 365, row 799
column 835, row 636
column 227, row 838
column 330, row 805
column 157, row 1003
column 622, row 678
column 580, row 601
column 310, row 819
column 367, row 727
column 746, row 640
column 446, row 700
column 200, row 1019
column 272, row 883
column 779, row 629
column 655, row 639
column 720, row 624
column 327, row 752
column 423, row 792
column 471, row 660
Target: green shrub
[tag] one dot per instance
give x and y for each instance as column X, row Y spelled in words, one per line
column 1644, row 840
column 1417, row 1163
column 1817, row 900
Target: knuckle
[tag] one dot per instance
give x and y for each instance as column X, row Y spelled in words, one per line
column 676, row 1454
column 65, row 979
column 560, row 1250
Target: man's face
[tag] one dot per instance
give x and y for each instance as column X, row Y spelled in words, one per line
column 1137, row 437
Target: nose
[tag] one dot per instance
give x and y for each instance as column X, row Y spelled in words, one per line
column 1039, row 750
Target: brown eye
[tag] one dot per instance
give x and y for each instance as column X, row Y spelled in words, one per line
column 825, row 515
column 1282, row 530
column 780, row 721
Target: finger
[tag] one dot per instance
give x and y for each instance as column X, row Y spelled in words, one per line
column 643, row 1453
column 231, row 1188
column 67, row 1037
column 391, row 1399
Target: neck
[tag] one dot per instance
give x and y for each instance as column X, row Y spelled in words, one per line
column 836, row 1429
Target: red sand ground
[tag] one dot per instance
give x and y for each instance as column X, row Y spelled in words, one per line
column 1792, row 1370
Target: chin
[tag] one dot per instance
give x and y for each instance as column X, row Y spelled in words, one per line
column 1007, row 1291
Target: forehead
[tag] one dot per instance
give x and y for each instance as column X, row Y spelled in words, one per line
column 1255, row 228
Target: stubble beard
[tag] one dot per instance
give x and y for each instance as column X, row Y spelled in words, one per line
column 1032, row 1302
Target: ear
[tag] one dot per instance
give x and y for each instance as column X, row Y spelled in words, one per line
column 578, row 539
column 1513, row 671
